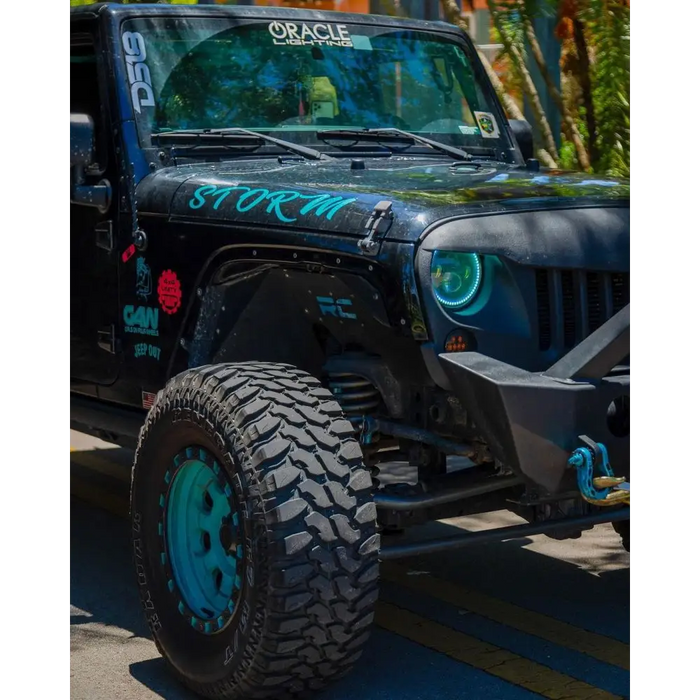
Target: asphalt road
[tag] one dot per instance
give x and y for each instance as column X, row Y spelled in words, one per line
column 528, row 618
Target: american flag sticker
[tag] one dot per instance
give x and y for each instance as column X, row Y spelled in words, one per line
column 147, row 399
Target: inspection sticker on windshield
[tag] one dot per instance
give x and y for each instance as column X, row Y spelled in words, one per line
column 309, row 34
column 469, row 130
column 487, row 125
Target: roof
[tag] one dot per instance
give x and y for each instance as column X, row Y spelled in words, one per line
column 256, row 12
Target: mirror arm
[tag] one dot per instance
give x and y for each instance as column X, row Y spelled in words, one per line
column 99, row 195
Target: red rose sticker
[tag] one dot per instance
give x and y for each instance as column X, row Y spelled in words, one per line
column 169, row 292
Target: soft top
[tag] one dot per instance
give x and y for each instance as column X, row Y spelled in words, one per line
column 253, row 11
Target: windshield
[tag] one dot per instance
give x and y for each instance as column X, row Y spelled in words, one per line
column 297, row 78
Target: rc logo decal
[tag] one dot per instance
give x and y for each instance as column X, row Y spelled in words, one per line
column 169, row 292
column 340, row 308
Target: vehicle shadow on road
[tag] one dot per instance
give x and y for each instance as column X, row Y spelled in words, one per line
column 103, row 591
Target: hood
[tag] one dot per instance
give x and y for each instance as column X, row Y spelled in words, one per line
column 329, row 196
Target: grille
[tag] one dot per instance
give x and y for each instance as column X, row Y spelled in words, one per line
column 571, row 304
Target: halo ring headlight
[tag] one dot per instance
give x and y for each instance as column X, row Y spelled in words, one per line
column 456, row 277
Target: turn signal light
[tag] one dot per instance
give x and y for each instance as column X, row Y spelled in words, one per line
column 456, row 342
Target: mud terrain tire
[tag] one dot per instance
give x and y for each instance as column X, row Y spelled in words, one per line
column 308, row 554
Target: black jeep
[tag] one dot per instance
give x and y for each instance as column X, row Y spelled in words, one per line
column 307, row 247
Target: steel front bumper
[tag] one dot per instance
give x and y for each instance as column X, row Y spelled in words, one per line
column 532, row 421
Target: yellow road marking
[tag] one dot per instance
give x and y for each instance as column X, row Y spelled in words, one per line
column 100, row 497
column 457, row 645
column 600, row 647
column 93, row 460
column 486, row 657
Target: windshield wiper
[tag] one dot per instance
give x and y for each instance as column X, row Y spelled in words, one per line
column 396, row 134
column 310, row 153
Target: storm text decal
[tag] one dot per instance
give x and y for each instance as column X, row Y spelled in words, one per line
column 316, row 204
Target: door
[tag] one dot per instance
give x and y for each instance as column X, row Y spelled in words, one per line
column 95, row 356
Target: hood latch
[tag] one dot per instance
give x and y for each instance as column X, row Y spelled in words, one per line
column 377, row 225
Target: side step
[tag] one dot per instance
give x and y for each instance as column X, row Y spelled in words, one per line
column 106, row 421
column 500, row 534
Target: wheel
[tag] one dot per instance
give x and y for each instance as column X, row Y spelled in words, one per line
column 254, row 532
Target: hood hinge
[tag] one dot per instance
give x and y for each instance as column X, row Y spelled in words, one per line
column 377, row 225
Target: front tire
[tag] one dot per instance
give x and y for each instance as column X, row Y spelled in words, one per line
column 254, row 532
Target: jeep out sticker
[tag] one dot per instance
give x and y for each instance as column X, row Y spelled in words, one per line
column 487, row 125
column 146, row 350
column 276, row 201
column 139, row 75
column 169, row 292
column 303, row 34
column 142, row 320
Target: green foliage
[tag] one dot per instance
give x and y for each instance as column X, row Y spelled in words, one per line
column 75, row 3
column 607, row 28
column 608, row 25
column 567, row 153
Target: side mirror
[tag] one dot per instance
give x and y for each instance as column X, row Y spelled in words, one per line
column 82, row 140
column 82, row 157
column 523, row 136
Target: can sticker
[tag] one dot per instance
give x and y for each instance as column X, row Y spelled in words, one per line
column 487, row 125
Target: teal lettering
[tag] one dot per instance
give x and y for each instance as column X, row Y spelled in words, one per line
column 198, row 201
column 277, row 198
column 323, row 203
column 318, row 204
column 141, row 317
column 224, row 192
column 128, row 314
column 150, row 318
column 263, row 194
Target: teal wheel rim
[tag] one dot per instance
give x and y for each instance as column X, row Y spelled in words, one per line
column 202, row 540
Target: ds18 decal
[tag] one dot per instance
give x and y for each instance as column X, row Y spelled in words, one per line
column 305, row 34
column 142, row 320
column 169, row 292
column 139, row 75
column 144, row 350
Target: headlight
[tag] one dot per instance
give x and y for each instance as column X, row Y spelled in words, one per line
column 456, row 277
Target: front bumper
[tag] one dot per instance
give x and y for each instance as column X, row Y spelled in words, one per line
column 532, row 421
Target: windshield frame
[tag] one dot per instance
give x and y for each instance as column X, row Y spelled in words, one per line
column 505, row 147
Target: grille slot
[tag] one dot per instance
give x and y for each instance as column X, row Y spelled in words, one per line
column 568, row 303
column 544, row 309
column 594, row 299
column 571, row 304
